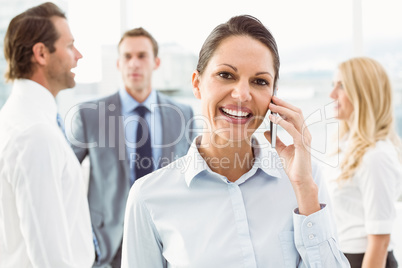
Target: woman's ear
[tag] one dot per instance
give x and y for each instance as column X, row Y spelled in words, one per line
column 195, row 80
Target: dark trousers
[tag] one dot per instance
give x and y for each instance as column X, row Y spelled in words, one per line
column 356, row 260
column 116, row 263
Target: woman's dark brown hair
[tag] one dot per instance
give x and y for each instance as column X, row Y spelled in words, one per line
column 244, row 25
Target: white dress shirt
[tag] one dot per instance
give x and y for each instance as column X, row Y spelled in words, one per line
column 365, row 204
column 44, row 215
column 186, row 215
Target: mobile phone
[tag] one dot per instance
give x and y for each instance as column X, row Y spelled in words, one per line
column 273, row 127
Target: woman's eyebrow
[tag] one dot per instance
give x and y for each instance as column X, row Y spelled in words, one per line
column 268, row 73
column 230, row 66
column 235, row 69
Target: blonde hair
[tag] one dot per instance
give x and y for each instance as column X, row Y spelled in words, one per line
column 368, row 88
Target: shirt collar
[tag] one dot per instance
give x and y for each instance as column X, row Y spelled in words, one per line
column 38, row 96
column 266, row 159
column 128, row 103
column 196, row 163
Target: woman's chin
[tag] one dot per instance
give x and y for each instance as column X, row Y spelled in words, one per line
column 228, row 139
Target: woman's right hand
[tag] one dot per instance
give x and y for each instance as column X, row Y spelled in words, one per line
column 296, row 157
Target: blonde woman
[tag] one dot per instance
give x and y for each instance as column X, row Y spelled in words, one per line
column 368, row 181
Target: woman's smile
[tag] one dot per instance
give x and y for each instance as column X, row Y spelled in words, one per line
column 236, row 114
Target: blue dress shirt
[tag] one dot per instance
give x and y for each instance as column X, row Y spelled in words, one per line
column 154, row 120
column 186, row 215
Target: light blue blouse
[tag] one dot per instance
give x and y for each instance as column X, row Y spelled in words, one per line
column 186, row 215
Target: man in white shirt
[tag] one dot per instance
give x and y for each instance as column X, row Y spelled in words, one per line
column 44, row 216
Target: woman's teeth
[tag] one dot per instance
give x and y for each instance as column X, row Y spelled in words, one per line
column 235, row 113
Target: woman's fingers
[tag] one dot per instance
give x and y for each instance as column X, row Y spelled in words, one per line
column 295, row 117
column 291, row 119
column 289, row 127
column 279, row 144
column 282, row 103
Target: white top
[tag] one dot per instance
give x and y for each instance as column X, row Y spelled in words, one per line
column 186, row 215
column 44, row 215
column 365, row 204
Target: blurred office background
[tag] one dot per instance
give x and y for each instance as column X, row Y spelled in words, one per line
column 313, row 36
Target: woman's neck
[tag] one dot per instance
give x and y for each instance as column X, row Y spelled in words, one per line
column 227, row 158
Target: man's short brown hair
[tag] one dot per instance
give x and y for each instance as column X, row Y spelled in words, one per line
column 141, row 32
column 24, row 31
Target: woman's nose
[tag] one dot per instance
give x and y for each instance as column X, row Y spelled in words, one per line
column 333, row 94
column 241, row 92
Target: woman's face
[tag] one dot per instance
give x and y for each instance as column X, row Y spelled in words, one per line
column 235, row 88
column 343, row 108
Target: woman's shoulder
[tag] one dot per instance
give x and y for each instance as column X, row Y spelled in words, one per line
column 382, row 159
column 162, row 178
column 383, row 150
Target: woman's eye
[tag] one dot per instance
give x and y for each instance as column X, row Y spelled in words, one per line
column 225, row 75
column 261, row 82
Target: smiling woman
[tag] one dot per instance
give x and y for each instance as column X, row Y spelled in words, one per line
column 228, row 208
column 235, row 93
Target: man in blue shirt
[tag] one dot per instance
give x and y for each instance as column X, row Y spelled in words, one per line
column 126, row 135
